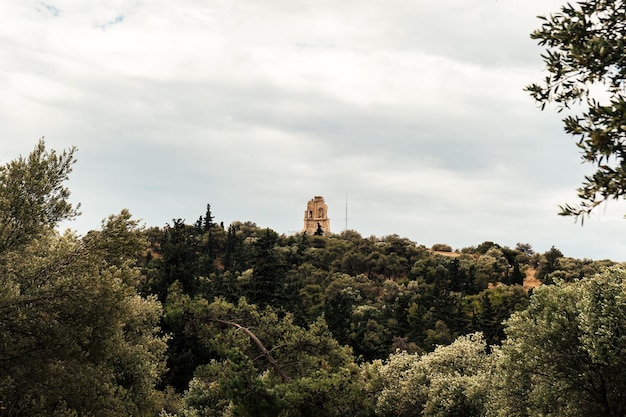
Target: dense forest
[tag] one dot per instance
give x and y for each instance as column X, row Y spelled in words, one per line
column 202, row 319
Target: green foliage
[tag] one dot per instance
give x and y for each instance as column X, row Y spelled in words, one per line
column 261, row 324
column 485, row 246
column 186, row 351
column 33, row 197
column 76, row 335
column 549, row 263
column 525, row 248
column 451, row 381
column 552, row 266
column 492, row 307
column 322, row 379
column 375, row 294
column 586, row 59
column 267, row 271
column 441, row 247
column 77, row 338
column 564, row 355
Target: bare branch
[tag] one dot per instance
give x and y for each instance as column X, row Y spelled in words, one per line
column 266, row 353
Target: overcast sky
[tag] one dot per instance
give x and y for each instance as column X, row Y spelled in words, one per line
column 413, row 109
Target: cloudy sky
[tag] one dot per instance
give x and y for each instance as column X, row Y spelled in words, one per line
column 413, row 109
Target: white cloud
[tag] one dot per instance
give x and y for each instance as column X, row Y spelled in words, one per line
column 413, row 108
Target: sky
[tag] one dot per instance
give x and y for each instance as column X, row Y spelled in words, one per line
column 410, row 113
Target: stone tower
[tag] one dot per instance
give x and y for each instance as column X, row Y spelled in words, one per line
column 316, row 213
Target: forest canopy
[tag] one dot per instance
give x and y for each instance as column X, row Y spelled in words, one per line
column 205, row 320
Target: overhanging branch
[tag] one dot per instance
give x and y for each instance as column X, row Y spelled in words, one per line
column 266, row 353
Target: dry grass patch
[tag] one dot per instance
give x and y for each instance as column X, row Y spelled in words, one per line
column 531, row 280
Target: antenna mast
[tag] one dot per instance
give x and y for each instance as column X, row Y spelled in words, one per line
column 346, row 212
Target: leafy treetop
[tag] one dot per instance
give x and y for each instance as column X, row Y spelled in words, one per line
column 586, row 60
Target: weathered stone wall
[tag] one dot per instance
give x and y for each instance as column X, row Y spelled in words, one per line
column 316, row 213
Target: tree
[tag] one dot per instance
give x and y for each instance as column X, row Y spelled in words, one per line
column 77, row 338
column 493, row 307
column 213, row 238
column 33, row 198
column 525, row 248
column 565, row 354
column 451, row 381
column 265, row 365
column 267, row 272
column 549, row 263
column 586, row 60
column 340, row 301
column 517, row 277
